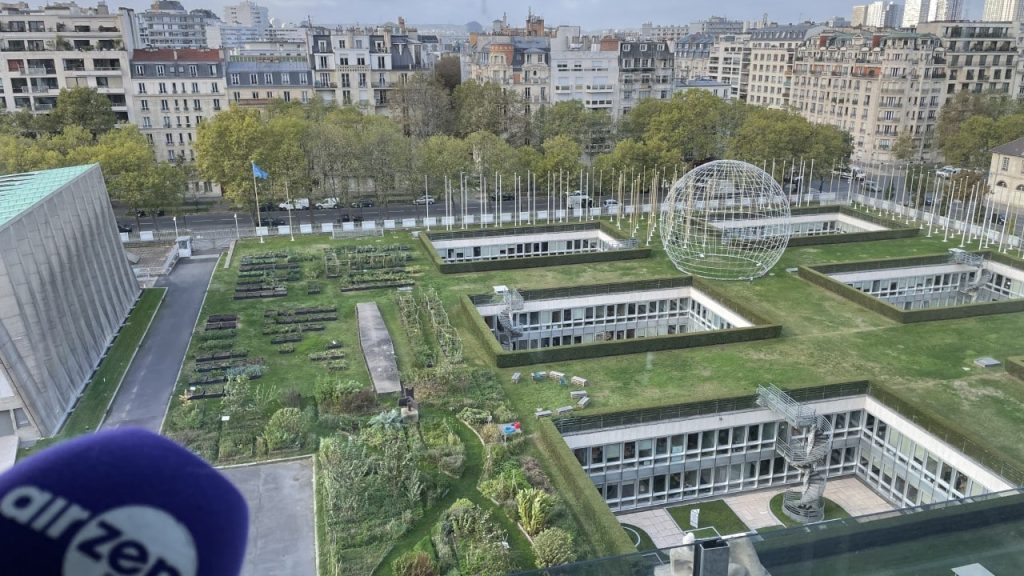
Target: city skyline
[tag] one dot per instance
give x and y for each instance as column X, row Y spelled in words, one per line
column 589, row 14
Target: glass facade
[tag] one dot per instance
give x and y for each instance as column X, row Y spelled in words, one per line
column 692, row 465
column 623, row 320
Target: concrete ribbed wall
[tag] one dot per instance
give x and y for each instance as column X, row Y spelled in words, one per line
column 65, row 289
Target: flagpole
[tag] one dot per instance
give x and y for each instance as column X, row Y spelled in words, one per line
column 255, row 191
column 288, row 198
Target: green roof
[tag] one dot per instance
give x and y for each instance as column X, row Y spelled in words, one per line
column 19, row 192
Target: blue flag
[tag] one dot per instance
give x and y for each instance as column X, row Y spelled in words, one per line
column 259, row 172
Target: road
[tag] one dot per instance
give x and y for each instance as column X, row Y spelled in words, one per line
column 142, row 398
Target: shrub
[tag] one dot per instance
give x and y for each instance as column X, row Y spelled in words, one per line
column 534, row 509
column 553, row 547
column 505, row 485
column 334, row 394
column 414, row 564
column 285, row 429
column 290, row 398
column 190, row 415
column 474, row 416
column 535, row 474
column 240, row 399
column 491, row 434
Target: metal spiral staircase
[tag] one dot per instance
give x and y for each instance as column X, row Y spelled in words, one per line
column 982, row 277
column 805, row 445
column 513, row 302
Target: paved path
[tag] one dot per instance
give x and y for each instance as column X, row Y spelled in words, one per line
column 658, row 524
column 149, row 382
column 281, row 523
column 849, row 492
column 377, row 348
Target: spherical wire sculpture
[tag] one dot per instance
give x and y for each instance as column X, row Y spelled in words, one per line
column 726, row 220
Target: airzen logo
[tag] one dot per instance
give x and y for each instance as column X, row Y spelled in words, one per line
column 124, row 541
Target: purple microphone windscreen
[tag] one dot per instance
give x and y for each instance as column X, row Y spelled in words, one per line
column 123, row 502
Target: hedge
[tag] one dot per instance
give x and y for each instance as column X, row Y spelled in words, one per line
column 585, row 504
column 427, row 238
column 762, row 329
column 819, row 275
column 1015, row 366
column 896, row 229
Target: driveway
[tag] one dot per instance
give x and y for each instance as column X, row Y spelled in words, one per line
column 281, row 523
column 142, row 399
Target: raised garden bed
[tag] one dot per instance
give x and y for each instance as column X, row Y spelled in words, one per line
column 225, row 355
column 287, row 338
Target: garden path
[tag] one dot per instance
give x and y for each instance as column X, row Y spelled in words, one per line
column 378, row 350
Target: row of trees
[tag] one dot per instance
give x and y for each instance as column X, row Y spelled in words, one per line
column 81, row 130
column 971, row 124
column 319, row 150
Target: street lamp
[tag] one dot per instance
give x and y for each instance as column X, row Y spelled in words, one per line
column 237, row 234
column 175, row 220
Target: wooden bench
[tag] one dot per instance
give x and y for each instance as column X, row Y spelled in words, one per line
column 515, row 377
column 584, row 402
column 542, row 413
column 578, row 381
column 577, row 394
column 538, row 376
column 556, row 375
column 563, row 410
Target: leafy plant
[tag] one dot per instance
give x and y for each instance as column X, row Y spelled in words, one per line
column 474, row 416
column 285, row 429
column 534, row 509
column 414, row 564
column 505, row 485
column 553, row 547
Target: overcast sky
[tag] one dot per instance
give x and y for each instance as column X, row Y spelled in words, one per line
column 591, row 14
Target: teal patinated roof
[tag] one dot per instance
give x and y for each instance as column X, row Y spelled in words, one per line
column 19, row 192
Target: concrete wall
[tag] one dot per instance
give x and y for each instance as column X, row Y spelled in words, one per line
column 65, row 289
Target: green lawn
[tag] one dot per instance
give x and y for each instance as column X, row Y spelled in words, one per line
column 833, row 511
column 100, row 390
column 642, row 539
column 715, row 513
column 825, row 339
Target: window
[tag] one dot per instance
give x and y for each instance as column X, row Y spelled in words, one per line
column 287, row 96
column 140, row 70
column 193, row 70
column 144, row 104
column 254, row 79
column 169, row 138
column 235, row 79
column 1004, row 164
column 160, row 70
column 163, row 105
column 162, row 88
column 380, row 61
column 341, row 43
column 216, row 104
column 197, row 105
column 6, row 427
column 170, row 155
column 268, row 78
column 195, row 87
column 213, row 70
column 303, row 79
column 286, row 79
column 343, row 61
column 360, row 61
column 146, row 123
column 215, row 88
column 142, row 87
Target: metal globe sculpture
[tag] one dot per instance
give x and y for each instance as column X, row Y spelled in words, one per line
column 726, row 220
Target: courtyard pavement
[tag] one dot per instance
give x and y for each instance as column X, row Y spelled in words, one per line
column 281, row 521
column 142, row 399
column 378, row 349
column 849, row 493
column 658, row 524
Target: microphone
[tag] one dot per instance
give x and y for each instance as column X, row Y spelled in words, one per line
column 125, row 502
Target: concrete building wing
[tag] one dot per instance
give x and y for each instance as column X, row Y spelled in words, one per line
column 65, row 289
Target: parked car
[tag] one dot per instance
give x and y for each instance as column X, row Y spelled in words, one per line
column 998, row 218
column 947, row 171
column 363, row 203
column 142, row 213
column 268, row 207
column 577, row 193
column 870, row 186
column 277, row 221
column 426, row 199
column 326, row 204
column 346, row 217
column 849, row 173
column 503, row 197
column 296, row 204
column 609, row 202
column 124, row 228
column 578, row 202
